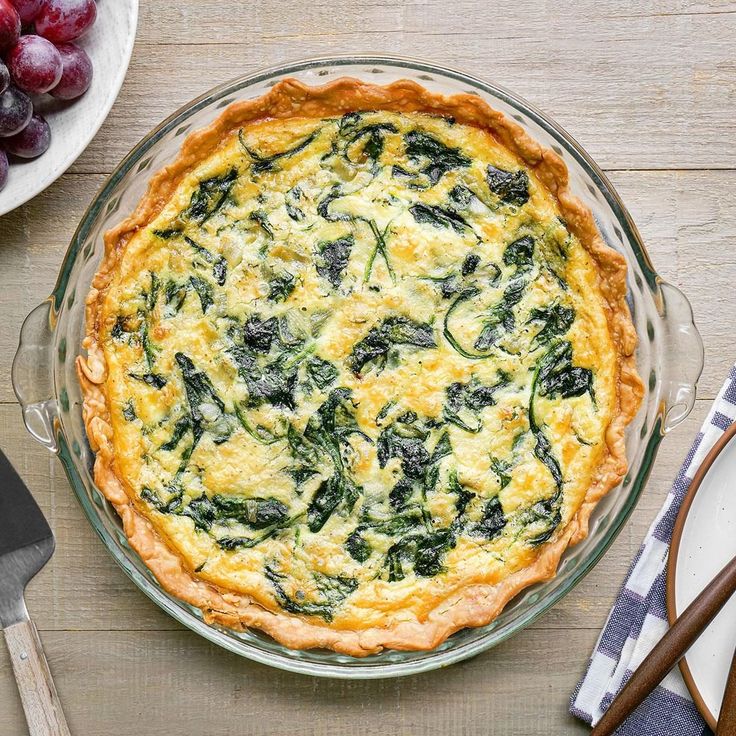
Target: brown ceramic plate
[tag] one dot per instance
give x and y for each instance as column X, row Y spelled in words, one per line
column 703, row 541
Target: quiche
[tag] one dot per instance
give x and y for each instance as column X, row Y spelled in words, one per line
column 358, row 367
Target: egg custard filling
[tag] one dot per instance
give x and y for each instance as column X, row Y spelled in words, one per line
column 358, row 368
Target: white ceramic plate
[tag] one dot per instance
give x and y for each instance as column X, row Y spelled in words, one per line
column 707, row 542
column 109, row 44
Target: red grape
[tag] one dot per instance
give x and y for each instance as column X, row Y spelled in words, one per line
column 65, row 20
column 32, row 141
column 4, row 77
column 35, row 64
column 27, row 9
column 3, row 168
column 15, row 111
column 9, row 25
column 77, row 74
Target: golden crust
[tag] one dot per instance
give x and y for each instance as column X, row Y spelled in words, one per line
column 472, row 606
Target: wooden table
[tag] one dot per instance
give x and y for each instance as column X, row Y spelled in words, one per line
column 649, row 92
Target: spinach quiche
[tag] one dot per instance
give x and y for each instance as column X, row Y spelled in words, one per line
column 358, row 367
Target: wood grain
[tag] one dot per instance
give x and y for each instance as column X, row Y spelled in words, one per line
column 36, row 688
column 647, row 88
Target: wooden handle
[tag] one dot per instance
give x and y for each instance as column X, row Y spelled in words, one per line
column 727, row 717
column 37, row 692
column 670, row 649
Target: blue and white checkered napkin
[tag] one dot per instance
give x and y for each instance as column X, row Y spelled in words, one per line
column 638, row 619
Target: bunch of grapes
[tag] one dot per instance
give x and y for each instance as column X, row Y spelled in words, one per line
column 38, row 56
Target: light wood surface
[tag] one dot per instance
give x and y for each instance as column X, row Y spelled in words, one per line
column 648, row 88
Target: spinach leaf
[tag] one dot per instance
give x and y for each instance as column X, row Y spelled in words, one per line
column 219, row 271
column 543, row 451
column 210, row 196
column 333, row 589
column 357, row 547
column 324, row 502
column 333, row 259
column 257, row 513
column 261, row 219
column 321, row 372
column 379, row 248
column 399, row 551
column 167, row 233
column 465, row 401
column 290, row 200
column 449, row 284
column 392, row 331
column 501, row 469
column 281, row 286
column 259, row 333
column 206, row 408
column 329, row 429
column 334, row 422
column 300, row 447
column 259, row 433
column 323, row 206
column 401, row 493
column 556, row 320
column 466, row 294
column 172, row 506
column 181, row 427
column 558, row 376
column 426, row 552
column 470, row 264
column 545, row 514
column 174, row 296
column 520, row 253
column 129, row 411
column 440, row 158
column 511, row 186
column 272, row 383
column 461, row 196
column 414, row 456
column 555, row 375
column 268, row 163
column 501, row 316
column 200, row 511
column 443, row 448
column 204, row 291
column 439, row 217
column 200, row 250
column 491, row 523
column 463, row 496
column 300, row 474
column 374, row 140
column 121, row 331
column 155, row 380
column 430, row 551
column 151, row 295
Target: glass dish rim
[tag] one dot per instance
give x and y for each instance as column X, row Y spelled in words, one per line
column 442, row 658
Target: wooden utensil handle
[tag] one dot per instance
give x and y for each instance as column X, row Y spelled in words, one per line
column 669, row 649
column 37, row 691
column 727, row 718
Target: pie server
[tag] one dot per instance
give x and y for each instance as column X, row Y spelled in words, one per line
column 26, row 544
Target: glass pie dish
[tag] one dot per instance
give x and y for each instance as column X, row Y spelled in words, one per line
column 669, row 358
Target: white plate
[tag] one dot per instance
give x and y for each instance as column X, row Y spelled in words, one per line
column 109, row 44
column 707, row 543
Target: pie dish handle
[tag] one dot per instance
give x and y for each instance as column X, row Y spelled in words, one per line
column 32, row 375
column 683, row 356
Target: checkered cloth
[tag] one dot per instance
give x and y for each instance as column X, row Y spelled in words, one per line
column 638, row 619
